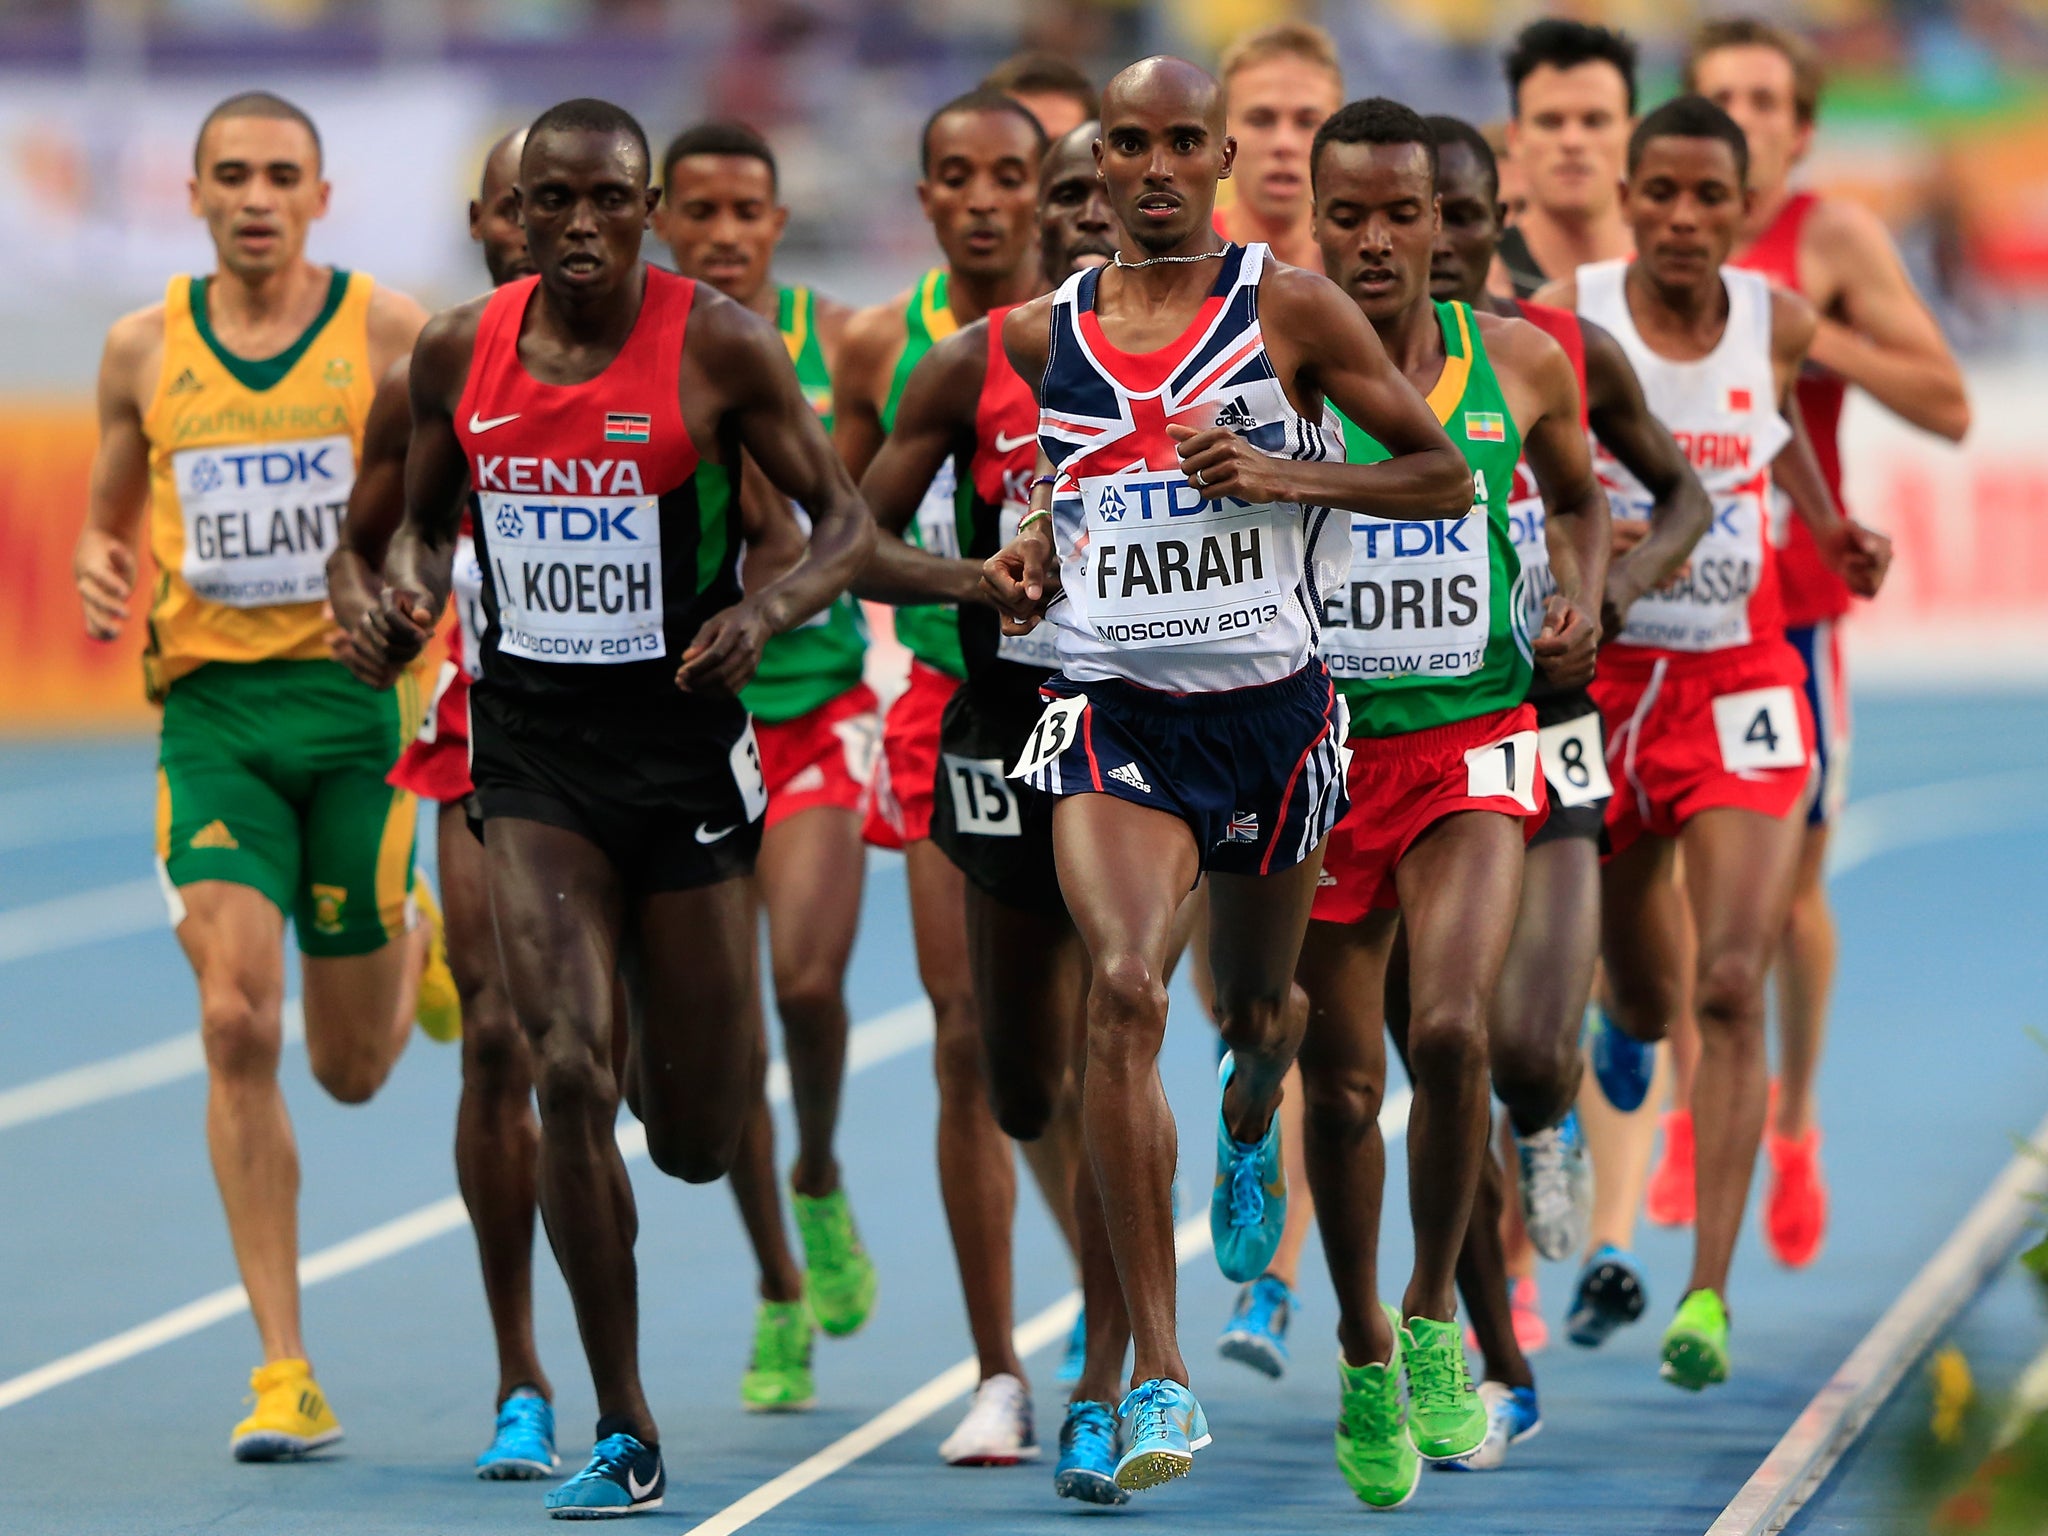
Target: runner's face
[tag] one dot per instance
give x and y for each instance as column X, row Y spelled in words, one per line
column 982, row 191
column 1376, row 223
column 494, row 219
column 1685, row 205
column 1161, row 162
column 1276, row 106
column 1076, row 228
column 258, row 187
column 722, row 222
column 1471, row 227
column 585, row 202
column 1754, row 85
column 1570, row 136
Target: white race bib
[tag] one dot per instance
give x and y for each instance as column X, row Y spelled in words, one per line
column 261, row 520
column 467, row 589
column 1164, row 567
column 745, row 758
column 1419, row 602
column 1759, row 729
column 1507, row 767
column 935, row 528
column 1706, row 608
column 1041, row 647
column 1528, row 526
column 577, row 580
column 982, row 802
column 1056, row 730
column 1575, row 761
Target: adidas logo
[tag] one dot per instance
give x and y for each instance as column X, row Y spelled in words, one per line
column 185, row 383
column 214, row 834
column 1128, row 774
column 1236, row 417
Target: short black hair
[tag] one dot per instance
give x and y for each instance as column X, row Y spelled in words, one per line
column 1690, row 117
column 720, row 138
column 1375, row 120
column 587, row 114
column 258, row 104
column 1455, row 130
column 980, row 99
column 1044, row 74
column 1566, row 44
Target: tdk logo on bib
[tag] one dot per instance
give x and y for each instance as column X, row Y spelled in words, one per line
column 577, row 581
column 260, row 521
column 324, row 464
column 1417, row 601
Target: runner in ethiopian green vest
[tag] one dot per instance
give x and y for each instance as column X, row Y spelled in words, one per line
column 1445, row 786
column 817, row 723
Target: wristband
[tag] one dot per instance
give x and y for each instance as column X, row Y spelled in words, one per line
column 1033, row 516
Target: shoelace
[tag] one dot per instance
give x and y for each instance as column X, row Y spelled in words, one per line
column 612, row 1455
column 828, row 1239
column 1434, row 1379
column 1091, row 1431
column 1549, row 1179
column 524, row 1413
column 1148, row 1412
column 1372, row 1416
column 1247, row 1191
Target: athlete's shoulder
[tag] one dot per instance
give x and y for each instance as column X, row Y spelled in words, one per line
column 1559, row 293
column 134, row 343
column 1027, row 333
column 869, row 342
column 829, row 319
column 1295, row 290
column 1793, row 323
column 877, row 326
column 394, row 321
column 1517, row 344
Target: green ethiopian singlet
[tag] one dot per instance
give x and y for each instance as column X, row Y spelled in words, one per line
column 929, row 630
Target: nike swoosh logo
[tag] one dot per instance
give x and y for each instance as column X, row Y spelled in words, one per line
column 706, row 835
column 637, row 1489
column 1008, row 444
column 478, row 424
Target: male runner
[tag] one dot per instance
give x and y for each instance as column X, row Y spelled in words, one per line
column 1192, row 728
column 231, row 418
column 965, row 401
column 497, row 1138
column 616, row 770
column 1874, row 333
column 1433, row 652
column 1707, row 733
column 1572, row 87
column 1049, row 88
column 1550, row 959
column 981, row 157
column 1282, row 81
column 817, row 723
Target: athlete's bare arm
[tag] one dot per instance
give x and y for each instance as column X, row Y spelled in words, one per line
column 1543, row 394
column 376, row 506
column 829, row 319
column 394, row 323
column 1875, row 331
column 738, row 385
column 868, row 351
column 109, row 551
column 934, row 420
column 1859, row 555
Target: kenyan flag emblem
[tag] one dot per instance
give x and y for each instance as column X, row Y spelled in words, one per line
column 625, row 427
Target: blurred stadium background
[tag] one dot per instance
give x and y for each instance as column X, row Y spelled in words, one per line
column 1936, row 114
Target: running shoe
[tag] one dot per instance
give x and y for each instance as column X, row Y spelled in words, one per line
column 1248, row 1206
column 1087, row 1465
column 1446, row 1420
column 779, row 1379
column 1673, row 1196
column 438, row 1010
column 1696, row 1343
column 524, row 1446
column 1611, row 1294
column 1162, row 1426
column 1622, row 1065
column 1796, row 1209
column 839, row 1277
column 1374, row 1450
column 1511, row 1417
column 1256, row 1334
column 290, row 1417
column 1075, row 1360
column 998, row 1430
column 1556, row 1180
column 622, row 1477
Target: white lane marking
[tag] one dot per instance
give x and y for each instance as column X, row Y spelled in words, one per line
column 872, row 1042
column 65, row 922
column 63, row 813
column 1935, row 813
column 1800, row 1462
column 1190, row 1240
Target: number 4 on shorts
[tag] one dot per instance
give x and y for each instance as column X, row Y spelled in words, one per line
column 1759, row 728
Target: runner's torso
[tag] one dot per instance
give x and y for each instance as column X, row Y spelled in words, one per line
column 1161, row 587
column 928, row 629
column 1810, row 591
column 815, row 663
column 1723, row 411
column 1527, row 519
column 1425, row 632
column 250, row 468
column 604, row 540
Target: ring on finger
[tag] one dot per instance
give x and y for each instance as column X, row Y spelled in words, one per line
column 1199, row 480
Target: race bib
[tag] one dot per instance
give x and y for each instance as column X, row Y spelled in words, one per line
column 577, row 581
column 1040, row 648
column 1418, row 603
column 1161, row 566
column 745, row 758
column 935, row 528
column 1056, row 730
column 1507, row 767
column 261, row 520
column 1705, row 607
column 1575, row 761
column 1528, row 527
column 1759, row 729
column 982, row 802
column 467, row 589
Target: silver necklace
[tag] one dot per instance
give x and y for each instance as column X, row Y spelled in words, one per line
column 1117, row 260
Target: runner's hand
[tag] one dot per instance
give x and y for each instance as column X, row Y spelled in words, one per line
column 1625, row 534
column 1219, row 463
column 1566, row 646
column 1019, row 580
column 389, row 637
column 1860, row 556
column 104, row 569
column 726, row 653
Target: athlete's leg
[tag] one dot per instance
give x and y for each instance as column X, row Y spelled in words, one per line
column 1124, row 869
column 359, row 1013
column 754, row 1186
column 497, row 1136
column 1620, row 1144
column 1806, row 977
column 1739, row 866
column 1544, row 983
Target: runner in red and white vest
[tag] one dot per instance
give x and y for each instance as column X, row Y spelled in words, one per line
column 1708, row 734
column 1877, row 334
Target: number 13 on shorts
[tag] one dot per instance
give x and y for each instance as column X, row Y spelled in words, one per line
column 1504, row 769
column 1759, row 729
column 1057, row 730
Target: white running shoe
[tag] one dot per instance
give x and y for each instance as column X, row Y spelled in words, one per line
column 997, row 1431
column 1556, row 1181
column 1511, row 1417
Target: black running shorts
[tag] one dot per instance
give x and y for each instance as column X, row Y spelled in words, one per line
column 997, row 829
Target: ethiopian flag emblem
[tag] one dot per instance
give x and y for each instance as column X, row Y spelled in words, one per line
column 1486, row 426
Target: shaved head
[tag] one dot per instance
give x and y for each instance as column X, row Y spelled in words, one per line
column 1165, row 83
column 501, row 165
column 1072, row 152
column 1164, row 146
